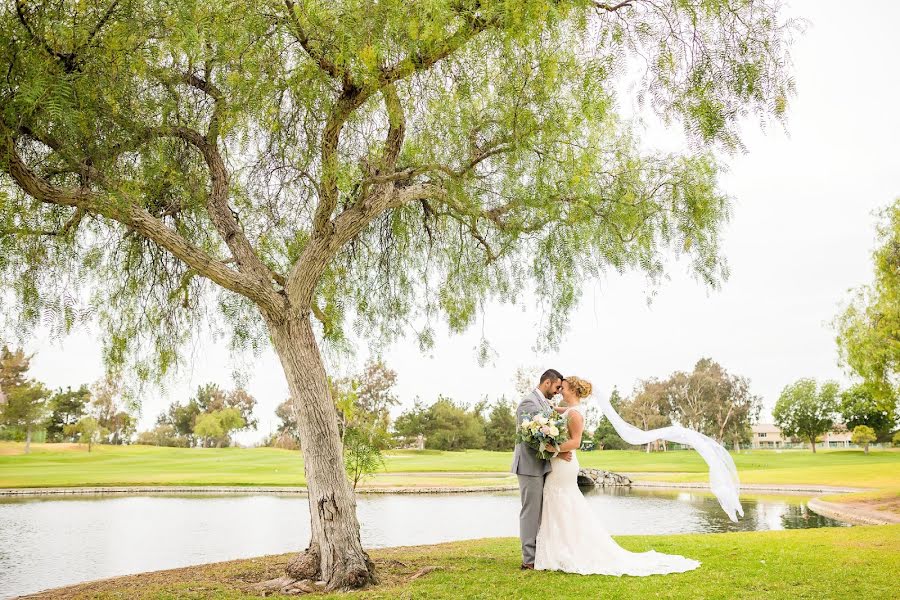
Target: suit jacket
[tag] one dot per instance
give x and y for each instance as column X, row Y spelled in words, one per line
column 525, row 458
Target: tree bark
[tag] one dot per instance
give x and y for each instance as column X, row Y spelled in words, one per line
column 335, row 554
column 812, row 442
column 28, row 439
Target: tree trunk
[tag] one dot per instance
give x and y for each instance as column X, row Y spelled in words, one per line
column 812, row 442
column 335, row 554
column 27, row 439
column 866, row 448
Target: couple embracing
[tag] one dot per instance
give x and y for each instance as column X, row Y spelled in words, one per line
column 558, row 530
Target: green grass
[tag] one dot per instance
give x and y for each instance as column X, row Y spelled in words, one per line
column 69, row 465
column 814, row 563
column 149, row 465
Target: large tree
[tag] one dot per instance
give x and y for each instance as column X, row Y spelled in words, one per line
column 446, row 425
column 806, row 410
column 113, row 413
column 500, row 427
column 24, row 401
column 869, row 328
column 860, row 406
column 303, row 165
column 605, row 435
column 713, row 401
column 648, row 408
column 66, row 408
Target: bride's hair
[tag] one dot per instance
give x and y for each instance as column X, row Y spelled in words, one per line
column 582, row 387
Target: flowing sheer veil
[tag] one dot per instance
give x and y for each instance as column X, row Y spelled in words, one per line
column 723, row 479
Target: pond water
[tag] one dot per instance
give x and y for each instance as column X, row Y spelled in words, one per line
column 49, row 542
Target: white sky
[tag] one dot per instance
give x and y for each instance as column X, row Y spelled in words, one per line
column 801, row 235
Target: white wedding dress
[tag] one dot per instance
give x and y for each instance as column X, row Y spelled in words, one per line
column 572, row 539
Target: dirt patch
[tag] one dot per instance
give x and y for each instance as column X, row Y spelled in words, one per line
column 233, row 578
column 14, row 448
column 891, row 505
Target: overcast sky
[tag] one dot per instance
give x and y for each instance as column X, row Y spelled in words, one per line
column 801, row 235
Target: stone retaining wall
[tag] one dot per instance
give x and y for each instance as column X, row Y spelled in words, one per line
column 602, row 478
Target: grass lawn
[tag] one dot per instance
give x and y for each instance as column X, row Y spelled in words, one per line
column 71, row 465
column 812, row 563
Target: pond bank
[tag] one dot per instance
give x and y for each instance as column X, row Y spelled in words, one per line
column 851, row 513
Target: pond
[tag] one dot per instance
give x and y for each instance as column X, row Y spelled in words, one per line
column 49, row 542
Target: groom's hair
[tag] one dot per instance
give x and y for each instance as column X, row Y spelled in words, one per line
column 551, row 374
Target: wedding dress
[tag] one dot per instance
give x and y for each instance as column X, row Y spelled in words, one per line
column 572, row 539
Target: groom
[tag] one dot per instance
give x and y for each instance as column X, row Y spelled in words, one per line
column 530, row 469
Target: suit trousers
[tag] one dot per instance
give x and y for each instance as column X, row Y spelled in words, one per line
column 531, row 488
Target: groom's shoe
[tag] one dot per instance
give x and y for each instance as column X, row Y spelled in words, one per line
column 527, row 566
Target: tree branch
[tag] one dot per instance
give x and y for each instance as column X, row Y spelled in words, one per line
column 353, row 96
column 326, row 64
column 614, row 7
column 139, row 220
column 422, row 61
column 205, row 86
column 396, row 131
column 220, row 212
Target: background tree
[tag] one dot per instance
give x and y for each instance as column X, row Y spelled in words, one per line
column 859, row 406
column 287, row 435
column 605, row 436
column 215, row 428
column 863, row 435
column 181, row 417
column 66, row 408
column 363, row 406
column 305, row 166
column 87, row 431
column 869, row 329
column 161, row 435
column 805, row 410
column 13, row 367
column 375, row 395
column 363, row 452
column 24, row 404
column 500, row 429
column 211, row 398
column 208, row 429
column 648, row 408
column 445, row 424
column 412, row 422
column 449, row 426
column 111, row 411
column 714, row 402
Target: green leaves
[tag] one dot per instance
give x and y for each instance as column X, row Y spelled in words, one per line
column 509, row 120
column 869, row 328
column 807, row 410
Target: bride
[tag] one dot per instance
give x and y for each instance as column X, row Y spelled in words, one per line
column 571, row 538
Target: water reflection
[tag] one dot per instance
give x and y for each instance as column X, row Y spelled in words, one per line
column 638, row 511
column 104, row 536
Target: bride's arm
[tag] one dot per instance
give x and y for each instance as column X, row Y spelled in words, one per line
column 576, row 428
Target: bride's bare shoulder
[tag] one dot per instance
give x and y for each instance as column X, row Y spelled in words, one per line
column 574, row 413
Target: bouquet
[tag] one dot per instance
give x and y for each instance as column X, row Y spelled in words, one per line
column 544, row 431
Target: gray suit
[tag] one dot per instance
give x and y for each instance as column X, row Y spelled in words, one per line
column 531, row 471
